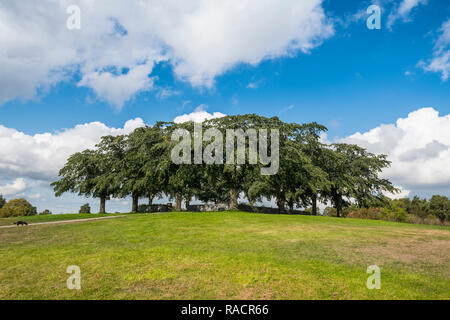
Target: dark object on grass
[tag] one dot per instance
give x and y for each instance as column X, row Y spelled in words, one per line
column 20, row 223
column 268, row 210
column 143, row 208
column 208, row 207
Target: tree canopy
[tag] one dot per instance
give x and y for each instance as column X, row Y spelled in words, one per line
column 17, row 208
column 304, row 170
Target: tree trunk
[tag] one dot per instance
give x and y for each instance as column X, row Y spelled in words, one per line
column 281, row 205
column 291, row 208
column 134, row 207
column 150, row 199
column 187, row 202
column 314, row 205
column 338, row 206
column 102, row 204
column 233, row 199
column 178, row 199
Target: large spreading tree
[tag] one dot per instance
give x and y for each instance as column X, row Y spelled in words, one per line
column 353, row 174
column 88, row 174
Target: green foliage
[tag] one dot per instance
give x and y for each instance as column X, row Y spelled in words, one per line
column 349, row 207
column 330, row 212
column 353, row 174
column 17, row 208
column 435, row 211
column 85, row 208
column 366, row 213
column 45, row 212
column 419, row 207
column 89, row 173
column 394, row 213
column 140, row 165
column 2, row 201
column 440, row 207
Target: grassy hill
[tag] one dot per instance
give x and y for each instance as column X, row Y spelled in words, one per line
column 52, row 217
column 225, row 255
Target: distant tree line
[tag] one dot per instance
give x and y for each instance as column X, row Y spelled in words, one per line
column 433, row 211
column 18, row 208
column 140, row 165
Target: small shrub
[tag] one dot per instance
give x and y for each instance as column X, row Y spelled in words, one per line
column 85, row 208
column 17, row 208
column 330, row 212
column 45, row 212
column 366, row 213
column 394, row 213
column 430, row 220
column 347, row 210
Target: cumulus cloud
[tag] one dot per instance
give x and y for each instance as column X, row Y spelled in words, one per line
column 430, row 151
column 117, row 89
column 17, row 186
column 198, row 115
column 441, row 54
column 119, row 42
column 40, row 156
column 403, row 11
column 418, row 147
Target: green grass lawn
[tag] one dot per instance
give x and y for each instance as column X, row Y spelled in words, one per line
column 52, row 217
column 228, row 255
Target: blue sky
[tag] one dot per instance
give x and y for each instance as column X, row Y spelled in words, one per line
column 352, row 80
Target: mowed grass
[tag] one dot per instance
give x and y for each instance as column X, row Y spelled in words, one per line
column 227, row 255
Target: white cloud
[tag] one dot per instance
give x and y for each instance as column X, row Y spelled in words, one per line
column 117, row 89
column 403, row 11
column 17, row 186
column 40, row 156
column 165, row 93
column 441, row 55
column 418, row 146
column 255, row 83
column 403, row 193
column 200, row 39
column 199, row 115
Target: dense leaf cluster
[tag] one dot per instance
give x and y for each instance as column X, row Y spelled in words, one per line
column 17, row 208
column 140, row 165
